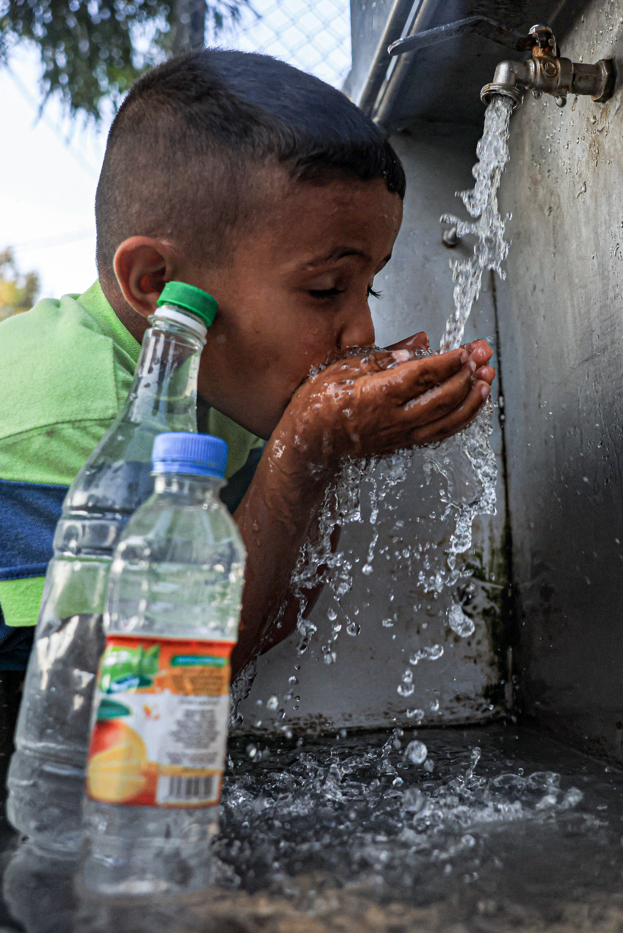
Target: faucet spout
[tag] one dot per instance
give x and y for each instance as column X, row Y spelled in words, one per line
column 510, row 80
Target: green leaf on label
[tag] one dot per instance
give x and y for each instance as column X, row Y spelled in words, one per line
column 149, row 661
column 125, row 668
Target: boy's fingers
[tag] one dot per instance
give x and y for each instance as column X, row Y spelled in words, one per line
column 441, row 400
column 375, row 361
column 479, row 351
column 417, row 342
column 414, row 377
column 486, row 374
column 457, row 420
column 378, row 360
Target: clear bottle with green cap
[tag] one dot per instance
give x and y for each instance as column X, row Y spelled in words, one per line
column 46, row 775
column 161, row 710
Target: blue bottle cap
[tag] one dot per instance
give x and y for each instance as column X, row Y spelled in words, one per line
column 182, row 452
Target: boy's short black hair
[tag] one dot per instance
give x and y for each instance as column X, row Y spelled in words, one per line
column 184, row 149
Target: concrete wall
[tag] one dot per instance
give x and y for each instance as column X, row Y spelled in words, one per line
column 360, row 688
column 561, row 327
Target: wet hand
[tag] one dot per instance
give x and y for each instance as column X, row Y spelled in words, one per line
column 381, row 401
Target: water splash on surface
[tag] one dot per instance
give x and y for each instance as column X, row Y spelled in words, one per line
column 344, row 833
column 367, row 807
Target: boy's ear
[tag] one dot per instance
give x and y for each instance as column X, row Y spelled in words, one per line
column 143, row 266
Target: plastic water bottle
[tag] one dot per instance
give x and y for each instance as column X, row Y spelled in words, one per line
column 160, row 718
column 46, row 776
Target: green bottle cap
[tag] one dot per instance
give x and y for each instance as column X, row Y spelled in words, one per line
column 190, row 298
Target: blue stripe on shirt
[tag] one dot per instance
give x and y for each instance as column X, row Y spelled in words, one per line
column 28, row 516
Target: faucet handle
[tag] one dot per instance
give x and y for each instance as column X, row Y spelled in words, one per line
column 544, row 39
column 480, row 25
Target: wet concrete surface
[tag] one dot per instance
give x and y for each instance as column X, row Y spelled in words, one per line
column 348, row 834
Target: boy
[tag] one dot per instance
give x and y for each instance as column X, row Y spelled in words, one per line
column 270, row 190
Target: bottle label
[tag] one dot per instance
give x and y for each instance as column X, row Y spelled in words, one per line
column 160, row 730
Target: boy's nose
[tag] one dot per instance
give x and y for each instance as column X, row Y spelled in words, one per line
column 357, row 327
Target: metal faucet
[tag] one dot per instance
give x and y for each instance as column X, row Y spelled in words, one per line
column 545, row 72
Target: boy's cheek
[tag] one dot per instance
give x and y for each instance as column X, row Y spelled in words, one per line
column 252, row 373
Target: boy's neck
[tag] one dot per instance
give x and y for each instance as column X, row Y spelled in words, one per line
column 134, row 322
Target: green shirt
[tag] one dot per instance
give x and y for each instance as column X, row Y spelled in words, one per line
column 65, row 370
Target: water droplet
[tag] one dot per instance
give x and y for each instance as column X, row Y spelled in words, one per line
column 416, row 752
column 459, row 622
column 413, row 800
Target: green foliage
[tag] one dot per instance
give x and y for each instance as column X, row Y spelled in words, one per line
column 128, row 668
column 18, row 292
column 92, row 51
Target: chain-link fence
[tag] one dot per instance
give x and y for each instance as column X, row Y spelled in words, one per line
column 313, row 35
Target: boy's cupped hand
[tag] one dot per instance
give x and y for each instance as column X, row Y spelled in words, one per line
column 380, row 401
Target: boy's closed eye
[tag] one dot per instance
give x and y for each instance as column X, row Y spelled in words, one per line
column 327, row 293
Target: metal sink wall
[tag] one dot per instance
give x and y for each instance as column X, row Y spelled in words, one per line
column 560, row 330
column 557, row 325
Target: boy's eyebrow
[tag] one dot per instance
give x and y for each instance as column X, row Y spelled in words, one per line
column 339, row 253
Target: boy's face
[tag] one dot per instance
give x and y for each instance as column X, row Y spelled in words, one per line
column 294, row 294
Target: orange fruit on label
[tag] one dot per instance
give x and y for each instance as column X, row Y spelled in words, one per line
column 117, row 760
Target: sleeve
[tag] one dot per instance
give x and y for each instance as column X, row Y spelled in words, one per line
column 28, row 516
column 233, row 493
column 37, row 469
column 240, row 442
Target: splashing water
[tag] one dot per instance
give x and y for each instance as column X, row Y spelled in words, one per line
column 349, row 834
column 416, row 752
column 319, row 563
column 459, row 622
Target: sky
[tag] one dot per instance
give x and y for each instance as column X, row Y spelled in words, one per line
column 49, row 165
